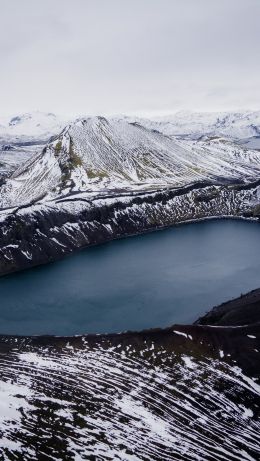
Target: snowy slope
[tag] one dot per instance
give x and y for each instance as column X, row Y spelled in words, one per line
column 12, row 157
column 96, row 155
column 177, row 394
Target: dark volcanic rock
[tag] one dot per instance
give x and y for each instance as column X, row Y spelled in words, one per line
column 240, row 311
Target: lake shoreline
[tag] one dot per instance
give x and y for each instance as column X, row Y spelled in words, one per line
column 243, row 310
column 214, row 318
column 152, row 230
column 240, row 341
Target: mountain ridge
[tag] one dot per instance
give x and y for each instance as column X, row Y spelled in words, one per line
column 187, row 124
column 40, row 126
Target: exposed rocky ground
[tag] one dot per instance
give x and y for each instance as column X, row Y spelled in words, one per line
column 240, row 311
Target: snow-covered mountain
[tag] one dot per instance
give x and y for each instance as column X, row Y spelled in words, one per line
column 40, row 126
column 97, row 155
column 233, row 125
column 29, row 131
column 30, row 127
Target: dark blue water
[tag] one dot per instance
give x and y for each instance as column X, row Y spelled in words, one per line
column 153, row 280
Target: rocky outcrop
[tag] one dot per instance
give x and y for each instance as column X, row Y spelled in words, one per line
column 244, row 310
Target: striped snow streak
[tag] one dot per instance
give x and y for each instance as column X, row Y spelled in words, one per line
column 105, row 401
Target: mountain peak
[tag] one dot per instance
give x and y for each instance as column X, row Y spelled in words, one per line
column 97, row 155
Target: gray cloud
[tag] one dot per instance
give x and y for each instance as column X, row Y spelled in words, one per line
column 142, row 56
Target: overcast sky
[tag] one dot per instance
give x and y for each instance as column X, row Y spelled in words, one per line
column 129, row 56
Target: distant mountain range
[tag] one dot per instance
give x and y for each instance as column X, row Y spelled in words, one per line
column 30, row 127
column 234, row 125
column 40, row 126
